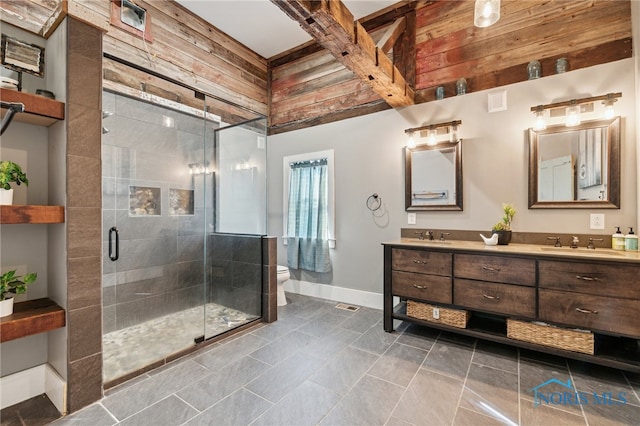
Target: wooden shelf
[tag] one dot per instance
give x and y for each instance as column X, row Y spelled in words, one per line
column 31, row 214
column 31, row 317
column 38, row 110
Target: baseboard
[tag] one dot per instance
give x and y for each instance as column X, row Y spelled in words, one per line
column 339, row 294
column 35, row 381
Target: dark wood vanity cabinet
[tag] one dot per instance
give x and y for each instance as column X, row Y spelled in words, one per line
column 599, row 296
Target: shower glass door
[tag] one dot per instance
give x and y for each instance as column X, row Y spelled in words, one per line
column 237, row 223
column 155, row 180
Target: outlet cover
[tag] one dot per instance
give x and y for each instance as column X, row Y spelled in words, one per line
column 411, row 218
column 596, row 221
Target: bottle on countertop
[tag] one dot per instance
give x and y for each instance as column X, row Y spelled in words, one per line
column 617, row 240
column 631, row 241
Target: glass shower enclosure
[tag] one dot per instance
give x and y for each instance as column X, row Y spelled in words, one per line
column 184, row 212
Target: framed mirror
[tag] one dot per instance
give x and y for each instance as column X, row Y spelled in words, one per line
column 433, row 177
column 575, row 167
column 21, row 56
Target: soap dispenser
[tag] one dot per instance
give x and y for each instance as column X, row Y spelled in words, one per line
column 617, row 240
column 631, row 241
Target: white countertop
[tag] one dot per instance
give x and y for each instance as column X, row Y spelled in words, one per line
column 527, row 249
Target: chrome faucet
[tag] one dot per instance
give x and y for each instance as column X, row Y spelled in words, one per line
column 442, row 234
column 429, row 235
column 557, row 244
column 420, row 235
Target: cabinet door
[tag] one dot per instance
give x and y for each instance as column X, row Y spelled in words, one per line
column 607, row 314
column 432, row 288
column 431, row 262
column 498, row 298
column 604, row 280
column 500, row 269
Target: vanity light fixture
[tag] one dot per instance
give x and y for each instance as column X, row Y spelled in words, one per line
column 486, row 13
column 573, row 109
column 432, row 132
column 196, row 169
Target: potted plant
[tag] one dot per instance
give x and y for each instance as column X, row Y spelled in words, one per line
column 10, row 172
column 503, row 228
column 11, row 285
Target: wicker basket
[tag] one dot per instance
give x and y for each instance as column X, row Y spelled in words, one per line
column 424, row 311
column 548, row 335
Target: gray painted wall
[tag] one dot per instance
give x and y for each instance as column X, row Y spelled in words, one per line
column 369, row 158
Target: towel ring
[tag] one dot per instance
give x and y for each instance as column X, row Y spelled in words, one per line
column 374, row 202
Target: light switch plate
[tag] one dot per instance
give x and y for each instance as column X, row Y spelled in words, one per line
column 411, row 218
column 596, row 221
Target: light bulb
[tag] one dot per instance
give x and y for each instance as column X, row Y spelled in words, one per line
column 486, row 13
column 486, row 10
column 411, row 143
column 431, row 137
column 453, row 136
column 540, row 123
column 573, row 115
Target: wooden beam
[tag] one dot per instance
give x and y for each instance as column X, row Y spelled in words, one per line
column 392, row 35
column 332, row 25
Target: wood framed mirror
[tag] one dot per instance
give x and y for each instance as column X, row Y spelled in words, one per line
column 575, row 167
column 433, row 177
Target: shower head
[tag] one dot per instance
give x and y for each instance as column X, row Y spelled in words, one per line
column 106, row 114
column 105, row 130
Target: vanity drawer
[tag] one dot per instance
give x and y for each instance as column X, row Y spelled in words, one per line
column 430, row 262
column 608, row 314
column 431, row 288
column 604, row 280
column 494, row 297
column 495, row 268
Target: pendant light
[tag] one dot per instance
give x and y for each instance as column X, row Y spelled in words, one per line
column 486, row 13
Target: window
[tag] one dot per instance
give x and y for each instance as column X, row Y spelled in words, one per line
column 309, row 224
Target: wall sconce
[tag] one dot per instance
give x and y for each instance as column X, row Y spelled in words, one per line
column 573, row 109
column 433, row 133
column 486, row 13
column 196, row 169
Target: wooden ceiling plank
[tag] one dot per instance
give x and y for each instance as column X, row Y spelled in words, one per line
column 393, row 33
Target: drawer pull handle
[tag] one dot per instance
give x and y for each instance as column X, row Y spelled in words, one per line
column 486, row 296
column 585, row 278
column 586, row 311
column 419, row 262
column 420, row 287
column 491, row 269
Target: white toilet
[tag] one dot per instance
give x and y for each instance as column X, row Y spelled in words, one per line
column 283, row 275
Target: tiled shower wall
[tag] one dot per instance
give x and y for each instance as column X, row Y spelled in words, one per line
column 160, row 269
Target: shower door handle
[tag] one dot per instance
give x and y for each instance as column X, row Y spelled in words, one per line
column 113, row 256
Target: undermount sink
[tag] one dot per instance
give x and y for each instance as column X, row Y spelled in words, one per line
column 582, row 251
column 434, row 241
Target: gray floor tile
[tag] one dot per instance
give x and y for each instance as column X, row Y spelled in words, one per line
column 323, row 325
column 169, row 411
column 394, row 421
column 491, row 392
column 608, row 414
column 370, row 402
column 139, row 396
column 496, row 355
column 306, row 405
column 279, row 328
column 450, row 358
column 226, row 353
column 240, row 408
column 214, row 387
column 344, row 370
column 283, row 347
column 375, row 340
column 466, row 417
column 398, row 364
column 362, row 320
column 543, row 415
column 332, row 344
column 95, row 415
column 282, row 378
column 430, row 399
column 310, row 309
column 601, row 380
column 419, row 337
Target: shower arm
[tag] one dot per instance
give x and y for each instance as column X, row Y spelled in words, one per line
column 12, row 108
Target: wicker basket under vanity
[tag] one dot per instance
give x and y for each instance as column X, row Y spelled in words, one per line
column 424, row 311
column 552, row 336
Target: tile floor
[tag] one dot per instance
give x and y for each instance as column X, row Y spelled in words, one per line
column 322, row 365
